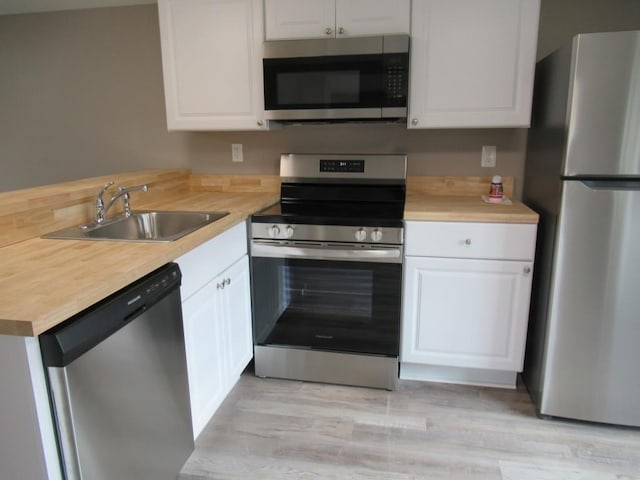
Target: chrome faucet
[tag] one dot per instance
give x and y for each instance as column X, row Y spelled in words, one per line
column 102, row 208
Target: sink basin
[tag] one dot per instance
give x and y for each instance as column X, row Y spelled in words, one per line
column 151, row 226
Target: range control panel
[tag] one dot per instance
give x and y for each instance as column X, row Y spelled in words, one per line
column 327, row 233
column 347, row 166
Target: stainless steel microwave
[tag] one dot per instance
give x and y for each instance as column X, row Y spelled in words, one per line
column 359, row 78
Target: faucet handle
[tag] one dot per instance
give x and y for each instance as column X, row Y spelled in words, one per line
column 102, row 192
column 125, row 196
column 100, row 210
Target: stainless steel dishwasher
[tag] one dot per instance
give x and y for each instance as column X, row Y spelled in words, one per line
column 118, row 384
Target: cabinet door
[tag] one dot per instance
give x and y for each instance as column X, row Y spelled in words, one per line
column 286, row 19
column 472, row 62
column 465, row 313
column 212, row 64
column 203, row 331
column 236, row 311
column 355, row 18
column 201, row 264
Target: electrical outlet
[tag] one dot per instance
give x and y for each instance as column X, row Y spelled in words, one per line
column 488, row 156
column 236, row 152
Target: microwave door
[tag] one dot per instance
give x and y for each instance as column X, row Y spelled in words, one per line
column 323, row 87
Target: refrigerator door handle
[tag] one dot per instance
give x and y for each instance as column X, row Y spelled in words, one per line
column 623, row 185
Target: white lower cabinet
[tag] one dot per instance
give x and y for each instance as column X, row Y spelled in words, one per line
column 465, row 309
column 216, row 310
column 203, row 336
column 234, row 308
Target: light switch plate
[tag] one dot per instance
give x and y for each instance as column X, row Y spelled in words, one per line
column 488, row 156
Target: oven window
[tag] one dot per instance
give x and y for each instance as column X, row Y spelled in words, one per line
column 330, row 292
column 328, row 305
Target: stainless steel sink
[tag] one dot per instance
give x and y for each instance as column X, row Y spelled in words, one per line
column 141, row 226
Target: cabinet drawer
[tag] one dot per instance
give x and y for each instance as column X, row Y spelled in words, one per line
column 507, row 241
column 206, row 261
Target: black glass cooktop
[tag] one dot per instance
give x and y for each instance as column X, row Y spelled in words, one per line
column 330, row 215
column 318, row 204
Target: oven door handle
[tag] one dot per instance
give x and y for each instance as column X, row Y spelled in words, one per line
column 377, row 253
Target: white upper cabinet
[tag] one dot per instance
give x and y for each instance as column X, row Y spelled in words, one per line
column 212, row 63
column 472, row 63
column 288, row 19
column 357, row 18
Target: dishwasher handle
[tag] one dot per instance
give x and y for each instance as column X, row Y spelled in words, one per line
column 66, row 342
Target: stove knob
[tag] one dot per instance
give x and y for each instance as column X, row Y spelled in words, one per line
column 274, row 231
column 376, row 235
column 361, row 235
column 289, row 231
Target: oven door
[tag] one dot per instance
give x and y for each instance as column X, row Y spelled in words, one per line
column 331, row 301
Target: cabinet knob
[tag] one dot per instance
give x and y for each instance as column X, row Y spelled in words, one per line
column 341, row 31
column 414, row 121
column 329, row 31
column 527, row 270
column 260, row 123
column 228, row 280
column 467, row 241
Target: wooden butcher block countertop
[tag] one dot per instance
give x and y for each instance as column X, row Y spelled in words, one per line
column 465, row 209
column 44, row 282
column 458, row 199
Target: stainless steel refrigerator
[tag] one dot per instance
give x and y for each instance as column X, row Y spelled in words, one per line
column 583, row 178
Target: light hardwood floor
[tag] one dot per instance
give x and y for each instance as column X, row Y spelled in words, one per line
column 278, row 429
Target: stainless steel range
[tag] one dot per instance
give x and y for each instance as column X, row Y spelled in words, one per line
column 327, row 271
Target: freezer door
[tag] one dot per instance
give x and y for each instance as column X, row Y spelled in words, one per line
column 592, row 357
column 604, row 106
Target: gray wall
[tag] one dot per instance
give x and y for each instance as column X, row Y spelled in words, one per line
column 81, row 95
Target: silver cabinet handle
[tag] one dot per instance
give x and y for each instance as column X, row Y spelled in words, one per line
column 414, row 121
column 260, row 123
column 467, row 241
column 341, row 31
column 527, row 270
column 329, row 31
